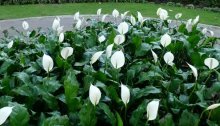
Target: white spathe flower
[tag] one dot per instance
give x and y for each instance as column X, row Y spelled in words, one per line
column 99, row 11
column 10, row 44
column 47, row 62
column 204, row 31
column 162, row 13
column 59, row 30
column 96, row 56
column 196, row 20
column 154, row 56
column 211, row 33
column 158, row 11
column 118, row 59
column 189, row 25
column 103, row 17
column 78, row 24
column 66, row 52
column 119, row 39
column 61, row 37
column 94, row 94
column 4, row 114
column 133, row 20
column 213, row 106
column 109, row 50
column 76, row 16
column 56, row 23
column 152, row 109
column 178, row 15
column 124, row 14
column 211, row 63
column 25, row 25
column 115, row 13
column 194, row 70
column 140, row 17
column 101, row 38
column 165, row 40
column 123, row 28
column 168, row 58
column 125, row 94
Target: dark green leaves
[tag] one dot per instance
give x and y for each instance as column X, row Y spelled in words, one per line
column 71, row 87
column 19, row 116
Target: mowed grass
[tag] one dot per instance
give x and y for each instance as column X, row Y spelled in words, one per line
column 147, row 9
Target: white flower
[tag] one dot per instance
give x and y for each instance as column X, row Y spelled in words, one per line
column 211, row 33
column 162, row 13
column 25, row 25
column 213, row 106
column 158, row 11
column 94, row 94
column 133, row 20
column 10, row 44
column 61, row 37
column 99, row 11
column 189, row 25
column 123, row 28
column 124, row 14
column 140, row 17
column 66, row 52
column 109, row 50
column 76, row 16
column 204, row 31
column 103, row 17
column 118, row 59
column 196, row 20
column 194, row 70
column 178, row 15
column 165, row 40
column 78, row 24
column 59, row 30
column 96, row 56
column 101, row 38
column 47, row 62
column 168, row 58
column 119, row 39
column 125, row 94
column 115, row 13
column 152, row 109
column 211, row 63
column 4, row 114
column 56, row 23
column 154, row 56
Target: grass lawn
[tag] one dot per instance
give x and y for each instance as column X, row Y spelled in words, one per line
column 147, row 9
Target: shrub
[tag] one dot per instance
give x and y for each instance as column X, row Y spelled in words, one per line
column 48, row 84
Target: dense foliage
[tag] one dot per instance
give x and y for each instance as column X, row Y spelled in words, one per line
column 59, row 94
column 210, row 3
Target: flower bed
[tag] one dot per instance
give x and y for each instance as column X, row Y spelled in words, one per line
column 139, row 72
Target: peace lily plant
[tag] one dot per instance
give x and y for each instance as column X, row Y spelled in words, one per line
column 133, row 72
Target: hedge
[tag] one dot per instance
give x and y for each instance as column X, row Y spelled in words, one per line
column 200, row 3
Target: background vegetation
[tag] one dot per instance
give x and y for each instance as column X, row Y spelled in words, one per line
column 211, row 3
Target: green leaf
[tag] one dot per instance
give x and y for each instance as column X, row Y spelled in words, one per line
column 50, row 100
column 119, row 120
column 188, row 119
column 167, row 120
column 56, row 121
column 87, row 115
column 107, row 111
column 19, row 116
column 138, row 93
column 137, row 116
column 71, row 87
